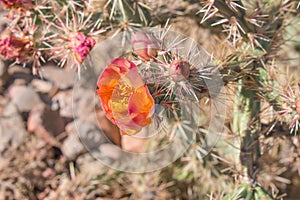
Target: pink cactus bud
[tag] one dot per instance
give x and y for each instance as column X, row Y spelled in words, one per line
column 81, row 45
column 145, row 46
column 179, row 70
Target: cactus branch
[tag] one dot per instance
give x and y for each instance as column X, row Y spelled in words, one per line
column 246, row 124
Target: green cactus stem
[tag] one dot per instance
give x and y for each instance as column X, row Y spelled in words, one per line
column 246, row 125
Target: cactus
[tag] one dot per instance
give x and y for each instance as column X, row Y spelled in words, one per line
column 252, row 32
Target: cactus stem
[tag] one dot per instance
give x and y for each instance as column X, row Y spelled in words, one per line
column 246, row 125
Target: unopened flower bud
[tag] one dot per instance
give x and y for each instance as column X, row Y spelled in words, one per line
column 81, row 45
column 145, row 46
column 179, row 70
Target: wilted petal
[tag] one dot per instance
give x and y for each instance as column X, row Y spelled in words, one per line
column 16, row 48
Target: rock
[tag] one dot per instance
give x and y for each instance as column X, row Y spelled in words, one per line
column 17, row 69
column 3, row 102
column 90, row 134
column 82, row 135
column 46, row 123
column 48, row 173
column 41, row 86
column 20, row 82
column 84, row 103
column 84, row 159
column 12, row 129
column 4, row 21
column 71, row 128
column 25, row 98
column 87, row 108
column 18, row 72
column 89, row 167
column 60, row 77
column 3, row 68
column 43, row 115
column 3, row 74
column 110, row 150
column 72, row 146
column 65, row 102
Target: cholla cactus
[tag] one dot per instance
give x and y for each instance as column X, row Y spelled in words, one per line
column 17, row 48
column 128, row 91
column 63, row 32
column 20, row 45
column 156, row 73
column 80, row 45
column 291, row 108
column 250, row 31
column 179, row 70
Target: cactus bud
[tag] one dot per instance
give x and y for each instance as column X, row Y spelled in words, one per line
column 81, row 45
column 179, row 70
column 145, row 46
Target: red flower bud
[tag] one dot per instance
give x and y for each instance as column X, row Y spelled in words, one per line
column 81, row 45
column 179, row 70
column 145, row 46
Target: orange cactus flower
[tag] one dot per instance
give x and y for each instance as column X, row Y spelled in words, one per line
column 125, row 98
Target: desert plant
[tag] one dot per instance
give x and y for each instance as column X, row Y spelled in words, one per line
column 254, row 32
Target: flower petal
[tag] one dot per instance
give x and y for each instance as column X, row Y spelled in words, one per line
column 141, row 106
column 108, row 80
column 125, row 99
